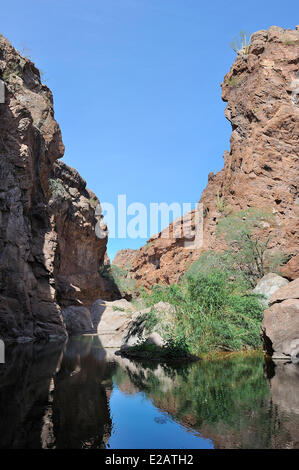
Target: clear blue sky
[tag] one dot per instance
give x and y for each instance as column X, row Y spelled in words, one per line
column 136, row 86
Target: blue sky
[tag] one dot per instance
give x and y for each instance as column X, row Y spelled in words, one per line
column 136, row 86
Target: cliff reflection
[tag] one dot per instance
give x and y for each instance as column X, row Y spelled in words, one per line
column 25, row 383
column 81, row 417
column 58, row 396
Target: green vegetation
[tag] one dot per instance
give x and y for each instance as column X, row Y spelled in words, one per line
column 221, row 205
column 93, row 201
column 289, row 42
column 150, row 320
column 233, row 81
column 118, row 309
column 10, row 71
column 247, row 246
column 212, row 313
column 171, row 351
column 120, row 277
column 214, row 307
column 56, row 188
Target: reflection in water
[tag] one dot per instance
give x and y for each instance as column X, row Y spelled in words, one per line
column 79, row 395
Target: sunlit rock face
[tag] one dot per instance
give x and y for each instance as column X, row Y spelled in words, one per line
column 261, row 167
column 280, row 330
column 52, row 237
column 124, row 258
column 82, row 239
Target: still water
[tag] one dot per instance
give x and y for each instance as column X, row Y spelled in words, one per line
column 79, row 395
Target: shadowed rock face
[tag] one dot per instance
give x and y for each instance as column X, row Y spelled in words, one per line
column 42, row 244
column 30, row 143
column 261, row 168
column 52, row 396
column 26, row 381
column 81, row 416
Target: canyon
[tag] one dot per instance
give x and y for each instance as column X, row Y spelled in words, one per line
column 53, row 237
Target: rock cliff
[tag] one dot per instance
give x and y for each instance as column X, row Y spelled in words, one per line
column 124, row 258
column 82, row 239
column 282, row 343
column 49, row 221
column 261, row 168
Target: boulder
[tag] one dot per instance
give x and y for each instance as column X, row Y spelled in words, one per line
column 291, row 291
column 268, row 285
column 156, row 339
column 111, row 321
column 77, row 320
column 280, row 329
column 291, row 269
column 118, row 325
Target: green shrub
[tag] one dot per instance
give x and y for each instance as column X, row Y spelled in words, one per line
column 93, row 201
column 247, row 245
column 233, row 81
column 120, row 277
column 56, row 188
column 171, row 350
column 210, row 261
column 212, row 313
column 150, row 320
column 10, row 71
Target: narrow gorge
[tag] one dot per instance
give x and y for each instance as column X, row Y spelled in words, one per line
column 53, row 236
column 166, row 345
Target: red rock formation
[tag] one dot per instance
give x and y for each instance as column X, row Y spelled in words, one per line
column 82, row 239
column 261, row 169
column 124, row 258
column 291, row 269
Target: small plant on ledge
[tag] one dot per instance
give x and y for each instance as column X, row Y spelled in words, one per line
column 241, row 44
column 221, row 206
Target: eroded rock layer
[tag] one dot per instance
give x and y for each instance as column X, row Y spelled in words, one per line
column 262, row 167
column 124, row 258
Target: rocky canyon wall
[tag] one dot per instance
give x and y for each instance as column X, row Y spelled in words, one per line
column 262, row 167
column 50, row 248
